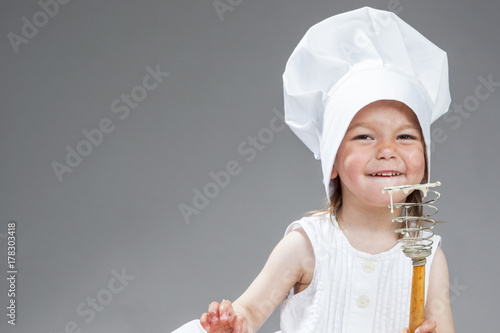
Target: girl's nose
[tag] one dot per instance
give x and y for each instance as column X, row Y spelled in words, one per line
column 386, row 151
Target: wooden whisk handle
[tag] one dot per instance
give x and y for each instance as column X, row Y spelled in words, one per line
column 417, row 297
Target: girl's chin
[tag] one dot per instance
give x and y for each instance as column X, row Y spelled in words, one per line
column 384, row 200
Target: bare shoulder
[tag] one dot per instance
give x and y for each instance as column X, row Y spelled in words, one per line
column 307, row 261
column 287, row 265
column 438, row 305
column 299, row 240
column 304, row 253
column 439, row 267
column 295, row 250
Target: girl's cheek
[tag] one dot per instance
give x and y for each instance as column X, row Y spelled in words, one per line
column 352, row 162
column 416, row 159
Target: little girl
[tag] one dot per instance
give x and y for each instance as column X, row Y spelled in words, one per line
column 361, row 90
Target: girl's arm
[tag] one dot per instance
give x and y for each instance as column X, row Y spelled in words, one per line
column 438, row 306
column 290, row 264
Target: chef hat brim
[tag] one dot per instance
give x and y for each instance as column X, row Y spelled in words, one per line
column 359, row 90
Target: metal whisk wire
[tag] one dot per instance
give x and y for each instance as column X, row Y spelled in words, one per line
column 416, row 235
column 416, row 243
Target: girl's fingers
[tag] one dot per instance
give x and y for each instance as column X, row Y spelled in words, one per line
column 221, row 316
column 404, row 330
column 428, row 326
column 205, row 322
column 213, row 313
column 226, row 312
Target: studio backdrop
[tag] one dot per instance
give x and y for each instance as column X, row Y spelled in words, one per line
column 146, row 169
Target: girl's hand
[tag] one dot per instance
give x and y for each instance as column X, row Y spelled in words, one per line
column 222, row 319
column 428, row 326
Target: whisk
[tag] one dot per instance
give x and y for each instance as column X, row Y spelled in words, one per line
column 416, row 239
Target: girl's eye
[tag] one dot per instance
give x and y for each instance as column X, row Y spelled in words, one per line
column 406, row 137
column 362, row 137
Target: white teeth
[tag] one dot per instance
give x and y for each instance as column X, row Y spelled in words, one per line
column 386, row 174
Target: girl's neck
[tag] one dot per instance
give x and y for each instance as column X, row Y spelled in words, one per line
column 368, row 218
column 368, row 229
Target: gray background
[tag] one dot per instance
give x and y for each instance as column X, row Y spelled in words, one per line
column 119, row 208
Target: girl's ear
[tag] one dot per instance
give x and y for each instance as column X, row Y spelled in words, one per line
column 334, row 173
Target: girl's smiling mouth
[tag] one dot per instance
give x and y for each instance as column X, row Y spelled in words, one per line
column 385, row 174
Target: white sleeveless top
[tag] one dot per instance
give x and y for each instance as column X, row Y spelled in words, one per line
column 351, row 291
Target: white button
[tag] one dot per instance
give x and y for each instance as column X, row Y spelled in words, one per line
column 369, row 266
column 363, row 301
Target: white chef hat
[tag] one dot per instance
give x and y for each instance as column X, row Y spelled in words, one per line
column 351, row 60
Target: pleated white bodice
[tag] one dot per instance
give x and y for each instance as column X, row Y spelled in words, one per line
column 351, row 291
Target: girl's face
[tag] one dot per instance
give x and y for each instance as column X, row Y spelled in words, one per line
column 383, row 146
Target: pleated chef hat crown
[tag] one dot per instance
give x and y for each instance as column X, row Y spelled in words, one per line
column 351, row 60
